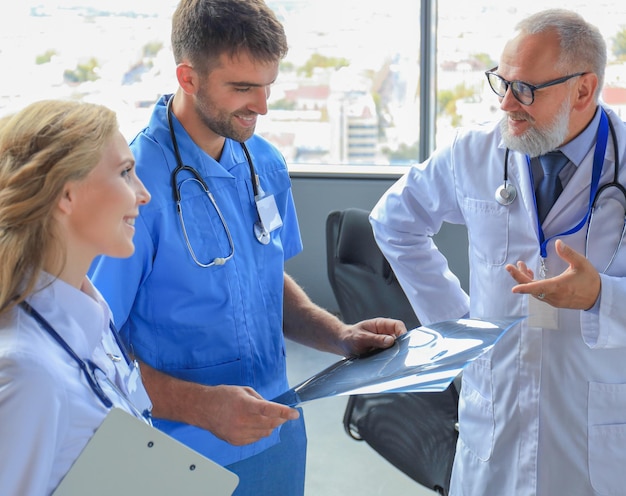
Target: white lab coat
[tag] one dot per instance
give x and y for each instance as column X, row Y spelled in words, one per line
column 544, row 413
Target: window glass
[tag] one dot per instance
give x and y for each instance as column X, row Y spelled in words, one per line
column 347, row 91
column 112, row 52
column 470, row 37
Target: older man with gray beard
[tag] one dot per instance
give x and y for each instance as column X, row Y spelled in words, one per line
column 544, row 412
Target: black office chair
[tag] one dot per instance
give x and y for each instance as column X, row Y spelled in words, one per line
column 362, row 280
column 416, row 432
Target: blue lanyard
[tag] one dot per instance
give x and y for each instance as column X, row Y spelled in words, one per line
column 598, row 162
column 84, row 366
column 46, row 325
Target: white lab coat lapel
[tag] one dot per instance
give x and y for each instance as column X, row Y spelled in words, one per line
column 521, row 174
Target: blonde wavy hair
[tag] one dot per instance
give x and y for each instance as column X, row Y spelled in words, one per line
column 42, row 147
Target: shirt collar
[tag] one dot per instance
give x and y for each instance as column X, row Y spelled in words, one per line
column 577, row 149
column 78, row 316
column 190, row 153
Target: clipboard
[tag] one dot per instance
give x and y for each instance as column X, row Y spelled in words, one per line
column 127, row 456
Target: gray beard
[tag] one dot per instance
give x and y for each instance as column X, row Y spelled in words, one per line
column 535, row 141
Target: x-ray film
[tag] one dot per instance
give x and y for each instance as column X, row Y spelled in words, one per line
column 427, row 358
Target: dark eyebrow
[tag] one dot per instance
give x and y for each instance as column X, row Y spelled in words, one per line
column 244, row 83
column 248, row 83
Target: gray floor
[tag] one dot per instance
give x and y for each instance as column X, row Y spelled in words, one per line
column 337, row 465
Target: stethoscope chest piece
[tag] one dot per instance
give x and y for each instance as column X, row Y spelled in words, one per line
column 506, row 194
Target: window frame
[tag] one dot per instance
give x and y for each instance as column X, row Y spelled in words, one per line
column 427, row 113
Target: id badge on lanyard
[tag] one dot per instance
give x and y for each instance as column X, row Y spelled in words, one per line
column 268, row 212
column 540, row 313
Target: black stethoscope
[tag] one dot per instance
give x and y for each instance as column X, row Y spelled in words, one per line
column 260, row 232
column 506, row 193
column 90, row 370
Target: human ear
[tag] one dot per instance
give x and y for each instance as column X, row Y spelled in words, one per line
column 65, row 204
column 586, row 91
column 187, row 77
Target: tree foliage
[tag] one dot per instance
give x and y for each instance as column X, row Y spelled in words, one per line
column 86, row 71
column 45, row 57
column 446, row 101
column 619, row 45
column 152, row 49
column 316, row 60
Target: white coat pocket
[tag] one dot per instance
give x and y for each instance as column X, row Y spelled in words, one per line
column 476, row 417
column 488, row 230
column 607, row 437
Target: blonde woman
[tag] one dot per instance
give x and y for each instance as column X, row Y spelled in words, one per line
column 68, row 192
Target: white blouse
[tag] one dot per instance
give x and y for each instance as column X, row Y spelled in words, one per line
column 48, row 411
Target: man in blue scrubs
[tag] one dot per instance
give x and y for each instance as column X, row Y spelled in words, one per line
column 204, row 303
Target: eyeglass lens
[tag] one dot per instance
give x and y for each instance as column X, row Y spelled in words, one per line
column 521, row 91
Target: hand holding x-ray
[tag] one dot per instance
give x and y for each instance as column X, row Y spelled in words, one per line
column 427, row 358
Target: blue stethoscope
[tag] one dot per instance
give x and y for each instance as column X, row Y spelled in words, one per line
column 506, row 193
column 90, row 370
column 260, row 232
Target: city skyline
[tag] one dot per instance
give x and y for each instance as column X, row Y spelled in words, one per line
column 116, row 36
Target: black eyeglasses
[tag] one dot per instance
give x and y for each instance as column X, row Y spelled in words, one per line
column 523, row 92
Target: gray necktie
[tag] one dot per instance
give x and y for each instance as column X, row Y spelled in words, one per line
column 550, row 186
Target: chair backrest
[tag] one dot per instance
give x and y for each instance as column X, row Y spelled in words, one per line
column 361, row 278
column 416, row 432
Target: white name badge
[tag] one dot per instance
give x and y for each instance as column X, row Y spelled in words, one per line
column 541, row 314
column 136, row 390
column 268, row 211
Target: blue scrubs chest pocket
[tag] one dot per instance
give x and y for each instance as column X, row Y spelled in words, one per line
column 488, row 230
column 204, row 233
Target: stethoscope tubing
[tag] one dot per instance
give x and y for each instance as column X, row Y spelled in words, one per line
column 506, row 193
column 615, row 181
column 261, row 233
column 93, row 383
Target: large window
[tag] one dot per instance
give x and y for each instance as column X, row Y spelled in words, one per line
column 113, row 52
column 348, row 89
column 367, row 82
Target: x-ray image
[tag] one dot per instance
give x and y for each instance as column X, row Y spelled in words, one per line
column 427, row 358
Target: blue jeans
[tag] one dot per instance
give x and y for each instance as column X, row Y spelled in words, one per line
column 278, row 470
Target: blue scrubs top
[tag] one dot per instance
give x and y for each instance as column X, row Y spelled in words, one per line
column 215, row 325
